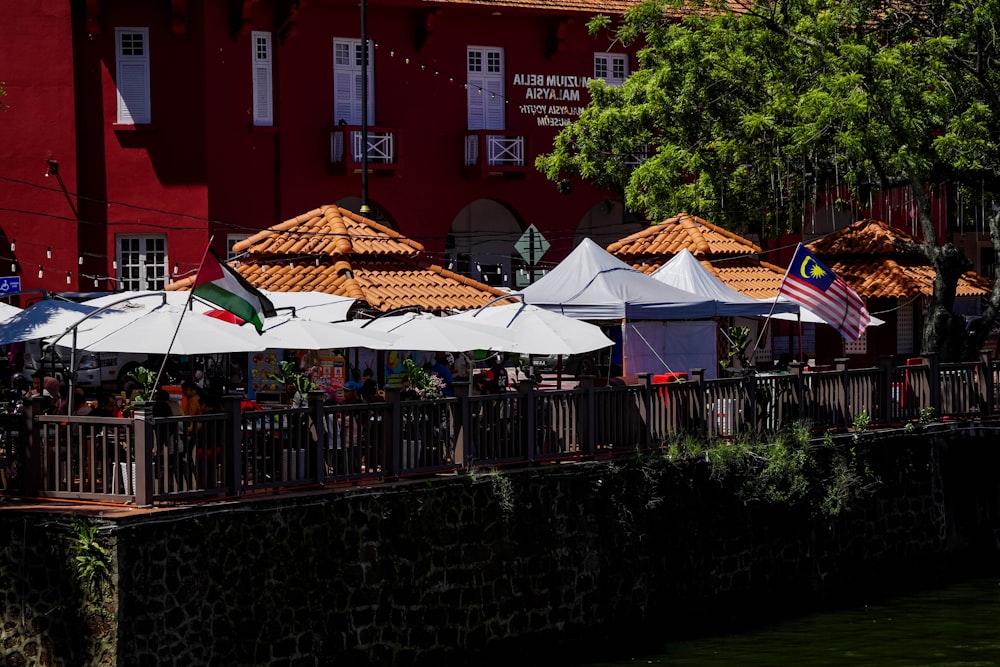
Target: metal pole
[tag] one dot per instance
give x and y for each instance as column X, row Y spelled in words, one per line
column 365, row 210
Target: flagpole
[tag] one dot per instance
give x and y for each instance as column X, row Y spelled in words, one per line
column 180, row 320
column 767, row 320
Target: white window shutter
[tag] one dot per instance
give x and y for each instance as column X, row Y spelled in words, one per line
column 263, row 99
column 344, row 85
column 494, row 103
column 477, row 108
column 132, row 55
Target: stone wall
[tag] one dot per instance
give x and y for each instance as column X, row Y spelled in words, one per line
column 470, row 567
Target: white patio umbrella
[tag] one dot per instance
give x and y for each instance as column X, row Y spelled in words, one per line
column 153, row 331
column 538, row 331
column 425, row 332
column 806, row 315
column 315, row 306
column 8, row 311
column 49, row 317
column 298, row 333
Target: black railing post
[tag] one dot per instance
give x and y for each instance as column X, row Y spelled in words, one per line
column 233, row 450
column 526, row 390
column 142, row 453
column 318, row 433
column 843, row 391
column 588, row 422
column 887, row 371
column 750, row 409
column 646, row 395
column 34, row 447
column 986, row 387
column 393, row 433
column 934, row 382
column 798, row 390
column 461, row 417
column 700, row 401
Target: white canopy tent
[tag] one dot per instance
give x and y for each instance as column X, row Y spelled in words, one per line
column 593, row 284
column 685, row 272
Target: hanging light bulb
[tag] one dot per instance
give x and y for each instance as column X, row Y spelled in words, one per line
column 67, row 278
column 40, row 271
column 13, row 267
column 505, row 277
column 114, row 264
column 48, row 253
column 451, row 266
column 479, row 268
column 392, row 53
column 263, row 268
column 12, row 244
column 317, row 261
column 95, row 281
column 176, row 269
column 407, row 61
column 80, row 260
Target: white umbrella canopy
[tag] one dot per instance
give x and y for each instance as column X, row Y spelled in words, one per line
column 8, row 311
column 806, row 315
column 302, row 334
column 316, row 306
column 538, row 331
column 426, row 333
column 152, row 331
column 47, row 318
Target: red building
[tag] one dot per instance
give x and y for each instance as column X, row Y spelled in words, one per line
column 137, row 130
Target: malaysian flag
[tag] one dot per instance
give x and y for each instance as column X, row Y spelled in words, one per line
column 812, row 284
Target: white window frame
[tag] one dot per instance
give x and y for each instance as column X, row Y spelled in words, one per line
column 612, row 67
column 132, row 76
column 485, row 88
column 347, row 81
column 263, row 95
column 231, row 240
column 142, row 261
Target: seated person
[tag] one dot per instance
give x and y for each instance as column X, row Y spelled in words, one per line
column 107, row 406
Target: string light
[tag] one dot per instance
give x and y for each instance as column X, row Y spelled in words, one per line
column 48, row 253
column 12, row 244
column 176, row 269
column 80, row 260
column 40, row 271
column 95, row 281
column 13, row 267
column 67, row 278
column 114, row 264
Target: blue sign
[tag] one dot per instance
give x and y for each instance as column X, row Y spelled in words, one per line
column 10, row 284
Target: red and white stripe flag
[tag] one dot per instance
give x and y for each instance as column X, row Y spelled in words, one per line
column 812, row 284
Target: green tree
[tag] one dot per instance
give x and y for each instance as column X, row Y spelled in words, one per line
column 739, row 113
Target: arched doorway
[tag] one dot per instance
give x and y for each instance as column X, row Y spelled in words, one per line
column 481, row 242
column 605, row 223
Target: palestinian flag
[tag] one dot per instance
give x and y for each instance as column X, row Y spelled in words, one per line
column 219, row 284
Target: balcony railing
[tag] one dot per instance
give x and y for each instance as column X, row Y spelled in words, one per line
column 346, row 148
column 488, row 152
column 165, row 460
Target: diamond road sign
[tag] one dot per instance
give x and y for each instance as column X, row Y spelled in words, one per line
column 532, row 245
column 10, row 284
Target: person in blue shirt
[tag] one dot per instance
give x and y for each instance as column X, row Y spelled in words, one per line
column 443, row 371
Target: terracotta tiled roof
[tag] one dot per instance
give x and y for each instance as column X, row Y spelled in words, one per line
column 335, row 251
column 863, row 254
column 587, row 6
column 329, row 230
column 682, row 231
column 732, row 258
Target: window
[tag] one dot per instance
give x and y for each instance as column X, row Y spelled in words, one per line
column 485, row 88
column 347, row 82
column 142, row 262
column 132, row 48
column 612, row 67
column 262, row 96
column 231, row 240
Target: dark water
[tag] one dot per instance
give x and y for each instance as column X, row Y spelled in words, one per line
column 958, row 624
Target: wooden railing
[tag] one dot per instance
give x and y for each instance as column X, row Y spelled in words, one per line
column 147, row 460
